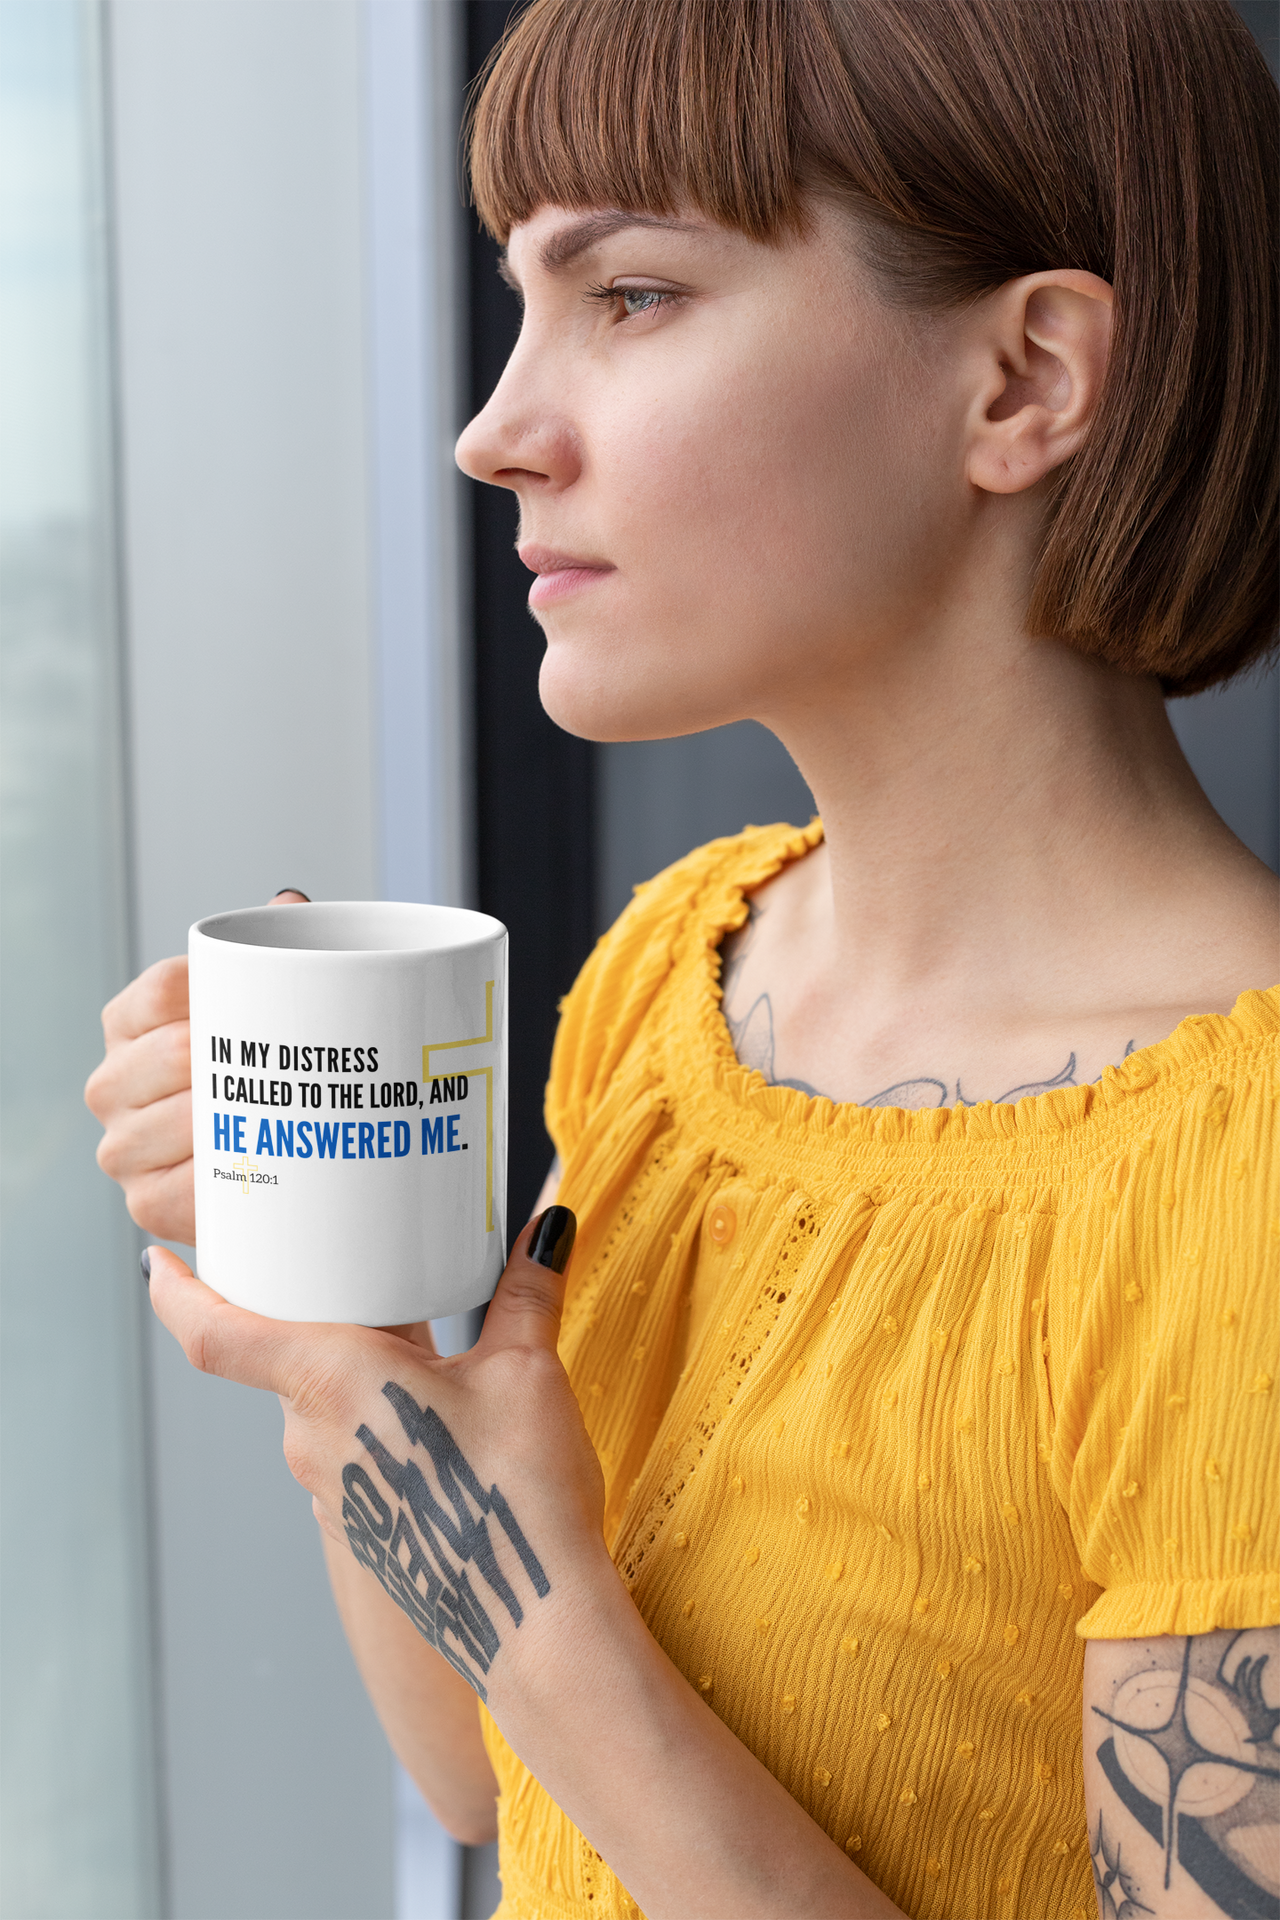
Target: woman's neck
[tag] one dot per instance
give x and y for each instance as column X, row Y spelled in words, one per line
column 1009, row 822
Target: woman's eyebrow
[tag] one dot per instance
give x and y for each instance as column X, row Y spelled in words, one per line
column 569, row 242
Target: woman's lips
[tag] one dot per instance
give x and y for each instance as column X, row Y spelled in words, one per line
column 559, row 574
column 562, row 582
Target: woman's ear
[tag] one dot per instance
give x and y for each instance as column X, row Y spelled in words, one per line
column 1044, row 342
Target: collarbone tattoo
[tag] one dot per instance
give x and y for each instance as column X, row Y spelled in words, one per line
column 752, row 1034
column 423, row 1522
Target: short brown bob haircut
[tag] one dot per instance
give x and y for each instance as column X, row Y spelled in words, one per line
column 979, row 140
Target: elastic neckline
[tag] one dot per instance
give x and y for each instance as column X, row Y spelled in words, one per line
column 722, row 907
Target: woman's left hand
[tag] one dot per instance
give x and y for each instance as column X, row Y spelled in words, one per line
column 467, row 1485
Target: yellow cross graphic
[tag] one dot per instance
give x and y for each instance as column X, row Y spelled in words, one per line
column 480, row 1040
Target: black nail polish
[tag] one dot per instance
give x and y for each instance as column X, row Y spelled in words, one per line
column 280, row 890
column 553, row 1237
column 144, row 1261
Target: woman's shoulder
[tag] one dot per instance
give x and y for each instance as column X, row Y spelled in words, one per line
column 726, row 868
column 1212, row 1060
column 703, row 892
column 700, row 895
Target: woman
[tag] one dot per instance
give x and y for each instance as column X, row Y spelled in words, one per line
column 899, row 373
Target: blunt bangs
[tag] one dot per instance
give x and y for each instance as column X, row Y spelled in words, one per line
column 644, row 105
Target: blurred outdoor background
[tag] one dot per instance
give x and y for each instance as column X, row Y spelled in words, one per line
column 257, row 632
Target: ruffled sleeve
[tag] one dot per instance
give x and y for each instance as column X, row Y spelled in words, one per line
column 603, row 1010
column 1167, row 1451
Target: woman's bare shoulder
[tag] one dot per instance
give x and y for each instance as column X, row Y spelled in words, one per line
column 1211, row 936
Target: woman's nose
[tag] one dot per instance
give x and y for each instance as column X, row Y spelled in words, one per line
column 518, row 439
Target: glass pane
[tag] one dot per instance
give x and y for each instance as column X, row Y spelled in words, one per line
column 79, row 1839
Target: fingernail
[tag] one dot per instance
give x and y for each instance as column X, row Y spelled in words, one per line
column 298, row 890
column 144, row 1261
column 553, row 1237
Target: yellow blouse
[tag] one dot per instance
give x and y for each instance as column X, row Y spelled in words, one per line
column 967, row 1386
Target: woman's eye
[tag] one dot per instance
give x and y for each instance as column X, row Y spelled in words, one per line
column 634, row 300
column 639, row 300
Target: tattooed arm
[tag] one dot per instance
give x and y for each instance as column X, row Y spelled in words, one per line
column 427, row 1708
column 1182, row 1776
column 428, row 1711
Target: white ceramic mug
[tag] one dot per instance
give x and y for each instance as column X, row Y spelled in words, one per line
column 349, row 1108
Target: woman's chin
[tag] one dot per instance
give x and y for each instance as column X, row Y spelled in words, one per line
column 595, row 704
column 605, row 716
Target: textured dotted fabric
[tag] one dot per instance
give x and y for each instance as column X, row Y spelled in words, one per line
column 897, row 1408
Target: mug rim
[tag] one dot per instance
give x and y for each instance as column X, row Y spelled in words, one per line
column 475, row 929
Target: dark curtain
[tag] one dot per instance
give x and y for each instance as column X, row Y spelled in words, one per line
column 534, row 784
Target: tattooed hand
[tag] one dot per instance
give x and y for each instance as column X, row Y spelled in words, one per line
column 467, row 1486
column 422, row 1553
